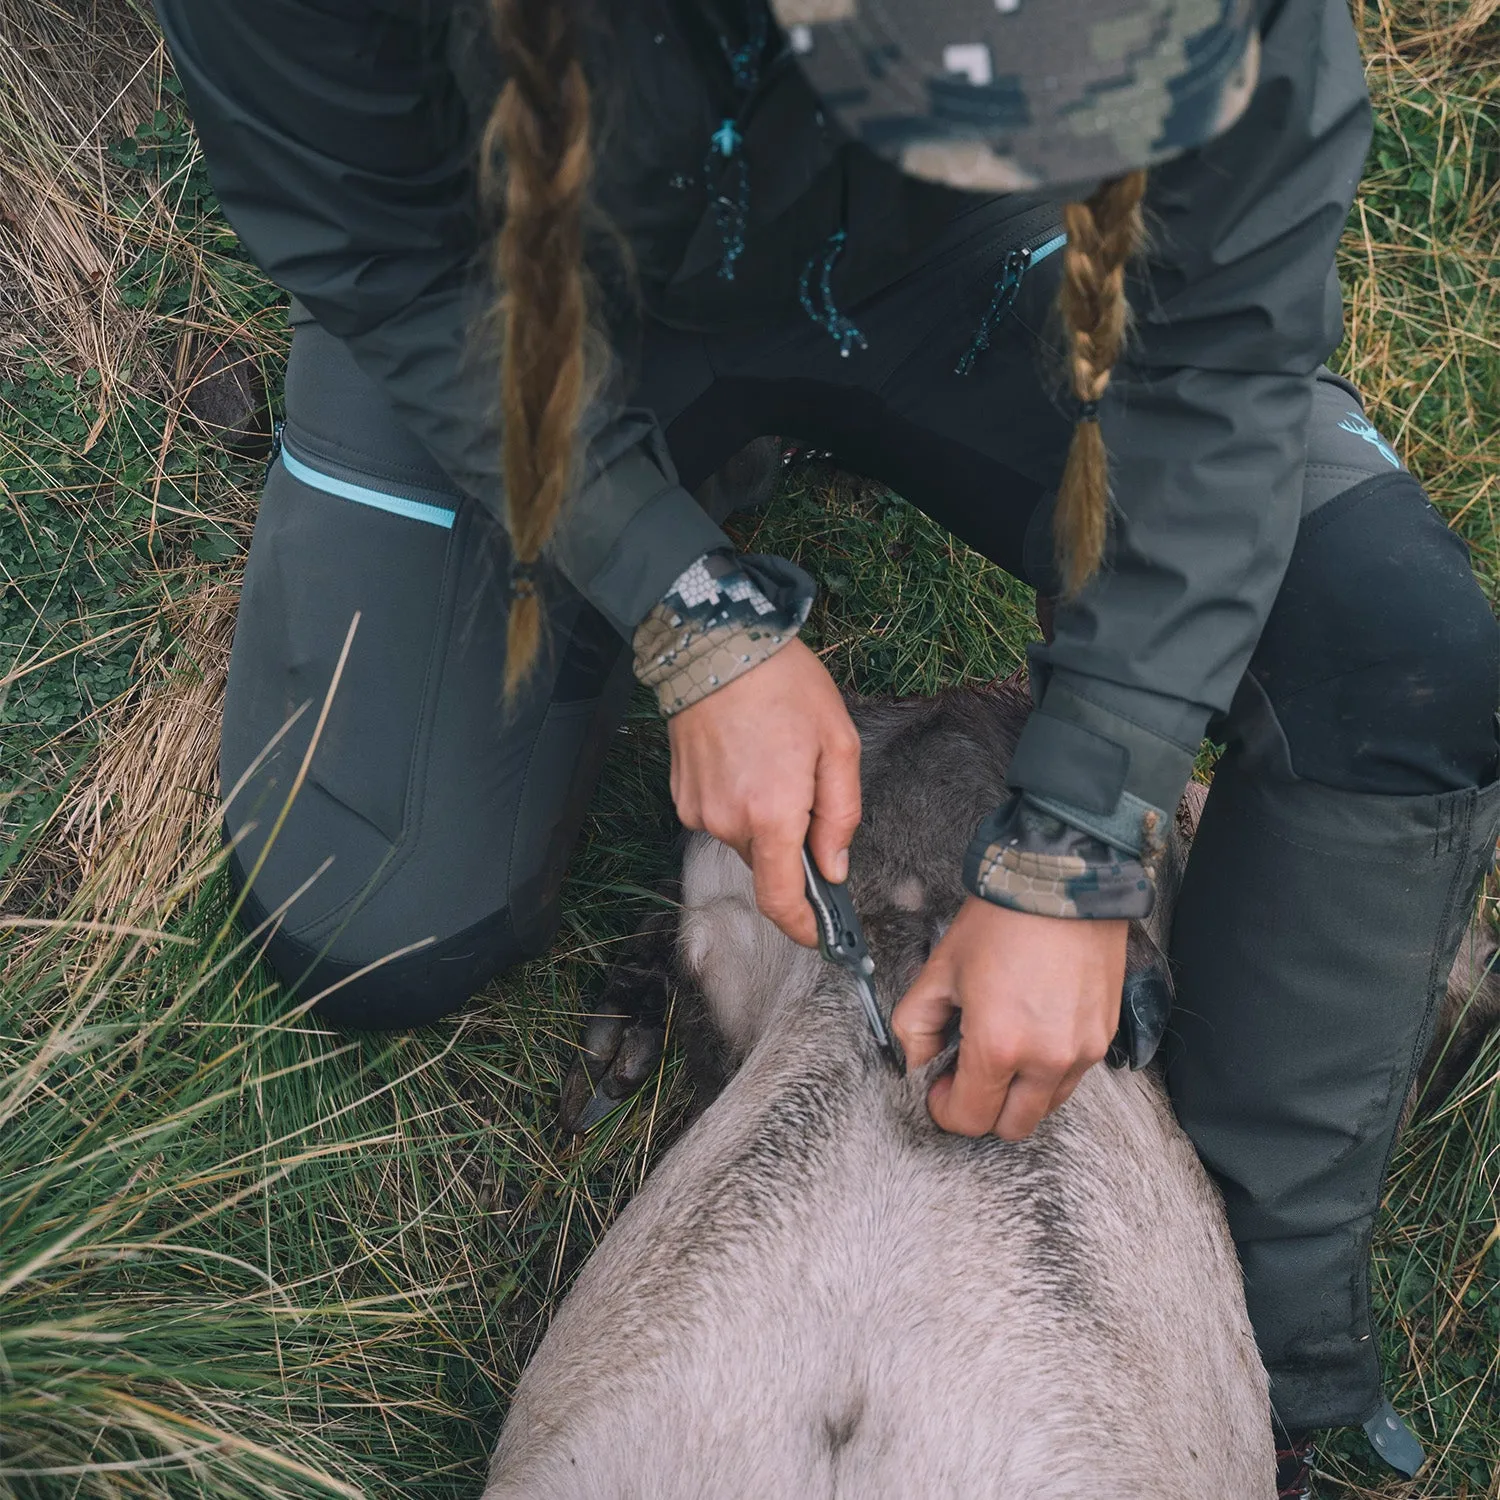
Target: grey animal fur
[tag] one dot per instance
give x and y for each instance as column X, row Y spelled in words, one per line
column 817, row 1293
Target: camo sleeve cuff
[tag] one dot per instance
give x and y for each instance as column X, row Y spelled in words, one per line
column 1029, row 860
column 723, row 616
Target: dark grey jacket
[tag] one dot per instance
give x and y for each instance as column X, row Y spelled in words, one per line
column 340, row 137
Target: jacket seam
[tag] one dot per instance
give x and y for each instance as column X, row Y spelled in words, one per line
column 1403, row 858
column 1435, row 976
column 1400, row 1072
column 1282, row 699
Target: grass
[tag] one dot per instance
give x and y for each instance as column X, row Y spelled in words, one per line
column 241, row 1255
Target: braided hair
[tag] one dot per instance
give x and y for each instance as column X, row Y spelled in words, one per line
column 537, row 161
column 1103, row 233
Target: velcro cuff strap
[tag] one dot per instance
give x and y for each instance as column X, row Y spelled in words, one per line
column 1077, row 755
column 1064, row 762
column 1134, row 826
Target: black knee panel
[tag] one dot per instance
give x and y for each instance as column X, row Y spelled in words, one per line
column 1381, row 658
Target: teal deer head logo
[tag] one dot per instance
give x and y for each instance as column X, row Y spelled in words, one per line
column 1359, row 424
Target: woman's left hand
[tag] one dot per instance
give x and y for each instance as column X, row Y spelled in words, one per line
column 1040, row 998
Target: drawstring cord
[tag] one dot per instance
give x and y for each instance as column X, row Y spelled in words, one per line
column 1012, row 269
column 732, row 201
column 726, row 144
column 744, row 60
column 827, row 316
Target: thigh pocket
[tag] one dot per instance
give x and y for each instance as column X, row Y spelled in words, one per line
column 327, row 548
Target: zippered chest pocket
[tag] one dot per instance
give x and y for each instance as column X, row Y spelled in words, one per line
column 1008, row 282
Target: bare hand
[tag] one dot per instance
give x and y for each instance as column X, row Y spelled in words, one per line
column 760, row 760
column 1040, row 998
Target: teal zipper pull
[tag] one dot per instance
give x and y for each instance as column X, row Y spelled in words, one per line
column 1013, row 270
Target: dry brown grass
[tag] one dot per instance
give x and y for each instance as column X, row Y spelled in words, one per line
column 76, row 76
column 73, row 76
column 1422, row 280
column 145, row 811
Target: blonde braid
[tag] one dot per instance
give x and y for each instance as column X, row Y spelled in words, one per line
column 1103, row 233
column 537, row 160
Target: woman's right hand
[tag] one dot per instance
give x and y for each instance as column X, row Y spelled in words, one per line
column 764, row 763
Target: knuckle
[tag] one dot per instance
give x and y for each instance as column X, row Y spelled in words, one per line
column 775, row 880
column 963, row 1119
column 1095, row 1046
column 997, row 1053
column 768, row 817
column 906, row 1033
column 722, row 828
column 846, row 810
column 846, row 744
column 1000, row 1063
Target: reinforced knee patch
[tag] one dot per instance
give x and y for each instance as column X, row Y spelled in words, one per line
column 1381, row 658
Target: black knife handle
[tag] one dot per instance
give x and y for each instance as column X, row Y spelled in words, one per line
column 841, row 940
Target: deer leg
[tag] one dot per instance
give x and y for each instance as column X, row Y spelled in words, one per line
column 622, row 1042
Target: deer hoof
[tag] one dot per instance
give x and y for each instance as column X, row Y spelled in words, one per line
column 619, row 1053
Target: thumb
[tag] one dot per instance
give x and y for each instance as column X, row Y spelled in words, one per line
column 923, row 1013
